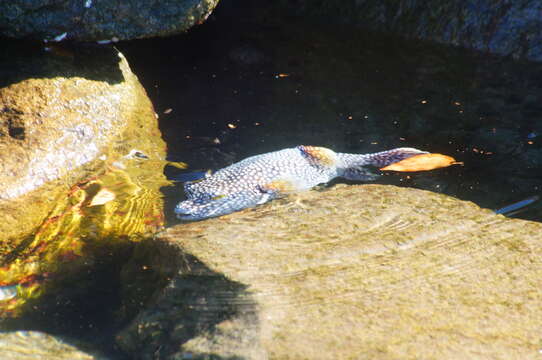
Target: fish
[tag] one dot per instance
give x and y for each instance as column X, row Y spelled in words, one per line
column 262, row 178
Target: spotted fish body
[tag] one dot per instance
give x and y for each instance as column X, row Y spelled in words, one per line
column 258, row 179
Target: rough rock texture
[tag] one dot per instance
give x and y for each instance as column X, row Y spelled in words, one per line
column 86, row 20
column 81, row 160
column 501, row 27
column 61, row 116
column 31, row 345
column 365, row 271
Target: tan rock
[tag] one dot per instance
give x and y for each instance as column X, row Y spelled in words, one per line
column 356, row 272
column 61, row 121
column 81, row 166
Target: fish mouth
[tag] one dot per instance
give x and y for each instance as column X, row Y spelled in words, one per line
column 183, row 215
column 187, row 210
column 188, row 217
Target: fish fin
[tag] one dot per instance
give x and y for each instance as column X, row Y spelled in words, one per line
column 515, row 207
column 318, row 156
column 385, row 158
column 193, row 176
column 277, row 187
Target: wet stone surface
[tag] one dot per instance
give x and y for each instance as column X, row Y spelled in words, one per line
column 507, row 29
column 373, row 270
column 355, row 271
column 61, row 112
column 82, row 164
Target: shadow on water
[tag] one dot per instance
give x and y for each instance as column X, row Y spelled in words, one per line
column 274, row 81
column 93, row 305
column 83, row 305
column 21, row 60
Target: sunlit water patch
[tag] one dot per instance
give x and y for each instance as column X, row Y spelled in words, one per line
column 86, row 269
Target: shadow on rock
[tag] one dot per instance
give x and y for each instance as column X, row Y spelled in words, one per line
column 199, row 308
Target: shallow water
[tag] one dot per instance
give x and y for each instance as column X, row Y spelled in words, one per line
column 271, row 82
column 253, row 80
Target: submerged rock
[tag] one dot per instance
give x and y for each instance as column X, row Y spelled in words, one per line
column 371, row 271
column 81, row 165
column 504, row 28
column 23, row 345
column 61, row 115
column 86, row 20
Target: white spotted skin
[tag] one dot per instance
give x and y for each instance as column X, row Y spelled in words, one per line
column 287, row 164
column 254, row 180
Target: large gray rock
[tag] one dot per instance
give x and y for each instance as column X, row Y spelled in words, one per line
column 500, row 27
column 100, row 20
column 366, row 271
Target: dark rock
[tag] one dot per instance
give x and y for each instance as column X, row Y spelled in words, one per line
column 94, row 20
column 499, row 27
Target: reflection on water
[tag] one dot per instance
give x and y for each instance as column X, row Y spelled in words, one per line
column 272, row 82
column 66, row 277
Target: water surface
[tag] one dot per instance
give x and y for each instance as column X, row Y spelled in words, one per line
column 254, row 80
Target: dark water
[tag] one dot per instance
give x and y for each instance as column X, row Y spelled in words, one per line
column 253, row 80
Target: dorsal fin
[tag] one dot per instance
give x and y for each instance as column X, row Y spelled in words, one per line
column 318, row 156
